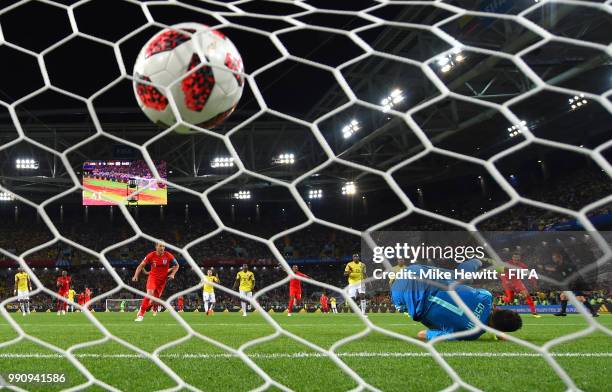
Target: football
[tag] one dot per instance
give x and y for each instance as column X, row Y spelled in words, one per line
column 199, row 68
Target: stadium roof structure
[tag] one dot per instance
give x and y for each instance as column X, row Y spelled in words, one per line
column 309, row 93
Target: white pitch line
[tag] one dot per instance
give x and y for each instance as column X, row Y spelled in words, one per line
column 63, row 325
column 80, row 325
column 306, row 355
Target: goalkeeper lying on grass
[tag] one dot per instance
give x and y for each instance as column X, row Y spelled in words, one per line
column 433, row 306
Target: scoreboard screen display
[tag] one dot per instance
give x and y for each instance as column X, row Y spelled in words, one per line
column 123, row 181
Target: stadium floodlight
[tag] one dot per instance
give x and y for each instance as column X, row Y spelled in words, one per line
column 285, row 159
column 315, row 193
column 26, row 164
column 445, row 64
column 5, row 196
column 577, row 101
column 442, row 61
column 393, row 99
column 449, row 61
column 349, row 129
column 222, row 162
column 458, row 55
column 515, row 130
column 242, row 195
column 349, row 188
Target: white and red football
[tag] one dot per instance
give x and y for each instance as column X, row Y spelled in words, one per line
column 205, row 97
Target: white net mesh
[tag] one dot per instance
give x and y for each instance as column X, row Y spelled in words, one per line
column 295, row 22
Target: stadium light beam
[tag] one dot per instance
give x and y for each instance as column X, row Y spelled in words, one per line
column 451, row 60
column 26, row 164
column 315, row 194
column 285, row 159
column 392, row 99
column 349, row 188
column 5, row 196
column 515, row 130
column 577, row 102
column 350, row 129
column 242, row 195
column 222, row 162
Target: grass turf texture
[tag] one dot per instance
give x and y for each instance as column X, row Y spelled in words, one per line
column 385, row 362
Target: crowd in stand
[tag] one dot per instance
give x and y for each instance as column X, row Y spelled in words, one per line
column 123, row 173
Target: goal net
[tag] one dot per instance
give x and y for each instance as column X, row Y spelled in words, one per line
column 378, row 100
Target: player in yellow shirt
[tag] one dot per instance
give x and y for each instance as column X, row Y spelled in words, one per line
column 208, row 291
column 23, row 286
column 332, row 301
column 355, row 271
column 71, row 295
column 245, row 281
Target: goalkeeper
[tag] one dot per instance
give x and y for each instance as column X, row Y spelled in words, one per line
column 431, row 304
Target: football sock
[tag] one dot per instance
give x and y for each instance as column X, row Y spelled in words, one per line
column 144, row 306
column 290, row 307
column 363, row 306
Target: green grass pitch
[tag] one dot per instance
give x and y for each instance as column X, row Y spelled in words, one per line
column 386, row 363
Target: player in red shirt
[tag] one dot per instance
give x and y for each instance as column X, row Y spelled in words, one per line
column 513, row 285
column 63, row 286
column 87, row 294
column 81, row 299
column 295, row 290
column 163, row 267
column 180, row 302
column 324, row 305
